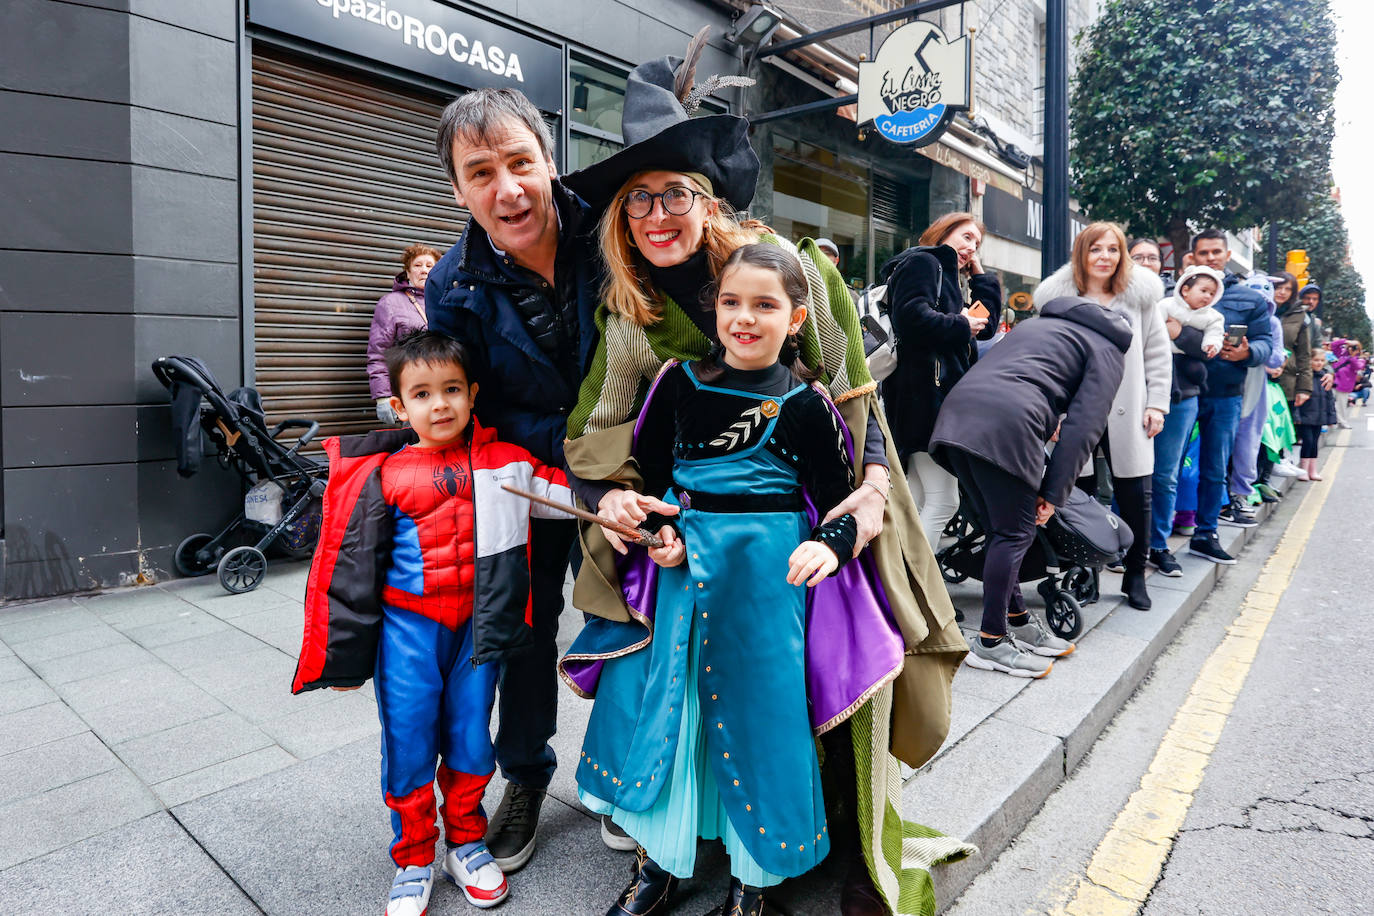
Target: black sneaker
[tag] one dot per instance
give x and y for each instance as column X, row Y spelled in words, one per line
column 1164, row 561
column 1230, row 515
column 1209, row 548
column 510, row 834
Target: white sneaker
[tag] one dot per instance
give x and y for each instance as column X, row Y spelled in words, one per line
column 1284, row 469
column 473, row 869
column 410, row 891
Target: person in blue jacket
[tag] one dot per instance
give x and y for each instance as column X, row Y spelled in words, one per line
column 1219, row 406
column 519, row 290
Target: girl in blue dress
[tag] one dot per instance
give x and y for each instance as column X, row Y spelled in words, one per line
column 701, row 725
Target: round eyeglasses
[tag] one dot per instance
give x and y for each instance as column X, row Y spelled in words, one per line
column 676, row 201
column 1146, row 259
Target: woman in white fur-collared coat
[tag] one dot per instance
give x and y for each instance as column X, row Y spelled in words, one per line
column 1100, row 269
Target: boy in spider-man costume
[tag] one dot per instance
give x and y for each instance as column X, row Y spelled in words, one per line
column 420, row 581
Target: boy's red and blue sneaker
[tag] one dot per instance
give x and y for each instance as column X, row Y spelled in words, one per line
column 410, row 891
column 473, row 869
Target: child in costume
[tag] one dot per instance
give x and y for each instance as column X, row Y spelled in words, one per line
column 701, row 726
column 421, row 581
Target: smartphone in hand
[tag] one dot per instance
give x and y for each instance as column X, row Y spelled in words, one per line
column 1235, row 334
column 978, row 310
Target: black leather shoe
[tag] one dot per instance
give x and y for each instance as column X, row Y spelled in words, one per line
column 510, row 833
column 741, row 900
column 1133, row 587
column 858, row 896
column 649, row 891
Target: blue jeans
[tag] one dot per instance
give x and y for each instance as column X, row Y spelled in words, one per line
column 1217, row 420
column 1169, row 447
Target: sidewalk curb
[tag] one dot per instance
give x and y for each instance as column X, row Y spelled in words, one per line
column 991, row 781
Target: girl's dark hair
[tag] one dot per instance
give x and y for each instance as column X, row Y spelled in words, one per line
column 789, row 271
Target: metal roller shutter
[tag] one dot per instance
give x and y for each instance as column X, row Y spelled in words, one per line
column 344, row 178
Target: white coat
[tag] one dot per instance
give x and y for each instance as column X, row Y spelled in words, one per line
column 1149, row 366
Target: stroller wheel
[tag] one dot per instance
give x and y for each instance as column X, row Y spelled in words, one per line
column 241, row 569
column 1079, row 583
column 191, row 558
column 950, row 574
column 1064, row 615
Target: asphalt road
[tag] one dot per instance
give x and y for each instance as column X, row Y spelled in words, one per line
column 1283, row 821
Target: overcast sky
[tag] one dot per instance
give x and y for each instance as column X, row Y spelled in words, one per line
column 1354, row 149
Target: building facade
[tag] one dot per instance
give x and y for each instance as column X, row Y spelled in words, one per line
column 235, row 180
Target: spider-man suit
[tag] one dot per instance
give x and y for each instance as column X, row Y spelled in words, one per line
column 421, row 576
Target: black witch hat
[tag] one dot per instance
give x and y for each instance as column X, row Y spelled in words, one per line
column 661, row 134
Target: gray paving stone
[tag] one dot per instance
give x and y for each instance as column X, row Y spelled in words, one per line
column 268, row 699
column 260, row 623
column 39, row 824
column 37, row 725
column 990, row 685
column 125, row 721
column 116, row 657
column 126, row 871
column 6, row 651
column 23, row 693
column 13, row 668
column 323, row 727
column 73, row 642
column 265, row 665
column 190, row 653
column 984, row 790
column 56, row 619
column 256, row 838
column 134, row 607
column 287, row 639
column 197, row 589
column 967, row 712
column 11, row 614
column 218, row 776
column 232, row 607
column 57, row 763
column 143, row 682
column 186, row 624
column 1083, row 692
column 193, row 746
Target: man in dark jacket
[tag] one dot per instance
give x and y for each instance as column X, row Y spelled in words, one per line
column 519, row 289
column 1059, row 371
column 1220, row 404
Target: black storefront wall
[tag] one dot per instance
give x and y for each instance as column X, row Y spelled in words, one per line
column 124, row 166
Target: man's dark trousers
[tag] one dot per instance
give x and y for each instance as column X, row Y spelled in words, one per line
column 529, row 680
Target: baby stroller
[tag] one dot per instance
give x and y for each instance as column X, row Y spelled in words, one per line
column 282, row 507
column 1081, row 535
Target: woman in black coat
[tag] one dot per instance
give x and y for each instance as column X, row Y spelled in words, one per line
column 1058, row 372
column 935, row 334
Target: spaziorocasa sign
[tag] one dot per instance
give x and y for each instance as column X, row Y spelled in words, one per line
column 427, row 37
column 919, row 79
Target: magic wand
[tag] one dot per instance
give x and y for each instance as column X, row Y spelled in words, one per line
column 637, row 535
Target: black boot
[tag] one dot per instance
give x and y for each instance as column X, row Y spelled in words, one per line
column 1133, row 587
column 649, row 889
column 858, row 896
column 741, row 900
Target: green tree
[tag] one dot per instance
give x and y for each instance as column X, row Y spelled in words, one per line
column 1214, row 114
column 1322, row 234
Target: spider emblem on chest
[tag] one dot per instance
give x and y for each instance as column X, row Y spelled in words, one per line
column 449, row 479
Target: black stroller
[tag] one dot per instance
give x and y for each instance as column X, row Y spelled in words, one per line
column 282, row 509
column 1082, row 535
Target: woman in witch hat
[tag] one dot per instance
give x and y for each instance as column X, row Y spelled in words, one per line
column 669, row 202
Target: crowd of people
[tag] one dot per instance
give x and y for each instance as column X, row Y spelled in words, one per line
column 768, row 632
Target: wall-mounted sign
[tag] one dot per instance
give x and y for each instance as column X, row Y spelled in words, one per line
column 426, row 37
column 1022, row 220
column 919, row 79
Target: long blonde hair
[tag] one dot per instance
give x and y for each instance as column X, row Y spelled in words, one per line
column 628, row 291
column 1121, row 277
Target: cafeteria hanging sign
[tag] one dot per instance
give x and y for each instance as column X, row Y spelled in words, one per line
column 919, row 79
